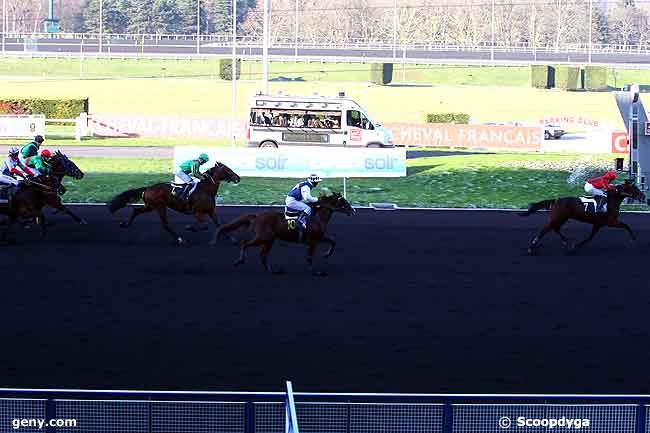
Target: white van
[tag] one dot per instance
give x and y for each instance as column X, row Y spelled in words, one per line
column 312, row 121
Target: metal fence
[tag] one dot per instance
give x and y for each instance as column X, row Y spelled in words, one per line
column 224, row 412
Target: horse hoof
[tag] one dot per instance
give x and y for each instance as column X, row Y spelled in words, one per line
column 212, row 243
column 277, row 272
column 191, row 228
column 83, row 222
column 238, row 262
column 124, row 225
column 531, row 252
column 319, row 274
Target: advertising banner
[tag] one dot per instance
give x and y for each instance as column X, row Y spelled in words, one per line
column 298, row 162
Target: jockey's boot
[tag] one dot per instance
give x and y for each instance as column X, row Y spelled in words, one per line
column 302, row 226
column 600, row 201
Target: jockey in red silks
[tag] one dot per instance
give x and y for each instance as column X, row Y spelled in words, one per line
column 598, row 187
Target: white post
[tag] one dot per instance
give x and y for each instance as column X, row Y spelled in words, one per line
column 198, row 26
column 591, row 23
column 394, row 28
column 233, row 70
column 265, row 49
column 534, row 38
column 345, row 188
column 492, row 43
column 296, row 36
column 4, row 23
column 101, row 24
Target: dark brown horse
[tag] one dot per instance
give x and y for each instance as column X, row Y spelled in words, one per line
column 563, row 209
column 34, row 195
column 269, row 226
column 159, row 197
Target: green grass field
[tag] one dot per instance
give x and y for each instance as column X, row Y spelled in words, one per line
column 481, row 180
column 200, row 97
column 192, row 88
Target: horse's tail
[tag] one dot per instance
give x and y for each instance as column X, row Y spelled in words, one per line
column 121, row 200
column 534, row 207
column 244, row 221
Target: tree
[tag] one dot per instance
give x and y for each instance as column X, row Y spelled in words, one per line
column 115, row 18
column 187, row 9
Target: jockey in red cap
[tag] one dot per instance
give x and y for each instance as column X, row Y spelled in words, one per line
column 598, row 187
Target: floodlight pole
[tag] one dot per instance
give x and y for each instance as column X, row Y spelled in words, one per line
column 265, row 49
column 233, row 70
column 492, row 43
column 101, row 24
column 394, row 28
column 4, row 23
column 198, row 26
column 296, row 36
column 591, row 24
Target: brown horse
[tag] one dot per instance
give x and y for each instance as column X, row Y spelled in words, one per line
column 34, row 195
column 269, row 226
column 563, row 209
column 159, row 197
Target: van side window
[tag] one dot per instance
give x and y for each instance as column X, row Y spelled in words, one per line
column 358, row 120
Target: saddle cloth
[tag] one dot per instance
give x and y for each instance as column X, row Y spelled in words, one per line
column 290, row 214
column 589, row 203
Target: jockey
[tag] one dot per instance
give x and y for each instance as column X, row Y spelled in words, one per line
column 300, row 196
column 189, row 173
column 40, row 164
column 12, row 167
column 31, row 149
column 598, row 187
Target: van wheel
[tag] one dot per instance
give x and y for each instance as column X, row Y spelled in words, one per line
column 547, row 135
column 268, row 145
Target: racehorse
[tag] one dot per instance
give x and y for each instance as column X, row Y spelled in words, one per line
column 34, row 195
column 269, row 226
column 159, row 197
column 563, row 209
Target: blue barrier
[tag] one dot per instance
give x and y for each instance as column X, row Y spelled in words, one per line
column 98, row 411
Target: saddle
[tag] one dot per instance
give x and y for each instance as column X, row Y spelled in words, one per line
column 178, row 189
column 591, row 204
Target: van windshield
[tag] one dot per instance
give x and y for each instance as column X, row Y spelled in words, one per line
column 312, row 119
column 358, row 119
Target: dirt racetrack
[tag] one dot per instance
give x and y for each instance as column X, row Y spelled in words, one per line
column 415, row 301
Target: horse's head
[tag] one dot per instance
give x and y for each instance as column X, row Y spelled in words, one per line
column 222, row 172
column 63, row 166
column 629, row 189
column 336, row 202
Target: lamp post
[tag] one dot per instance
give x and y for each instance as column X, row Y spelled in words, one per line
column 233, row 70
column 101, row 24
column 591, row 24
column 265, row 49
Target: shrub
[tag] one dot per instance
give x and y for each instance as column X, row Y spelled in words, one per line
column 567, row 77
column 381, row 73
column 540, row 76
column 61, row 108
column 596, row 78
column 225, row 69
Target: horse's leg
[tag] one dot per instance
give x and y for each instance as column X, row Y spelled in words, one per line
column 67, row 211
column 215, row 219
column 134, row 213
column 311, row 249
column 534, row 243
column 264, row 254
column 244, row 246
column 198, row 226
column 622, row 225
column 594, row 229
column 162, row 212
column 332, row 243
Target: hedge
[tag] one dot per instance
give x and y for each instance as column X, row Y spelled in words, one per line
column 448, row 118
column 540, row 76
column 225, row 69
column 596, row 78
column 567, row 77
column 381, row 73
column 62, row 108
